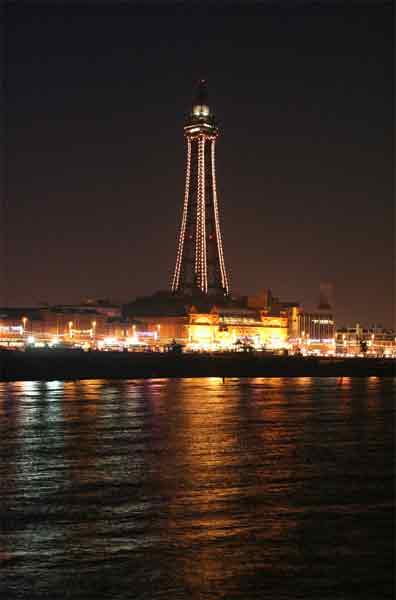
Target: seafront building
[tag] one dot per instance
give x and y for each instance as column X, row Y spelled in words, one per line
column 146, row 323
column 201, row 324
column 81, row 324
column 312, row 331
column 365, row 341
column 154, row 323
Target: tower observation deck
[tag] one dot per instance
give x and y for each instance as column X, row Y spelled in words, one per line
column 200, row 266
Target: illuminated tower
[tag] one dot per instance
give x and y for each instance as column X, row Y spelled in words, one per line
column 200, row 266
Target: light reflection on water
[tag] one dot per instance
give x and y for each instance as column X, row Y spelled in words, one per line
column 197, row 488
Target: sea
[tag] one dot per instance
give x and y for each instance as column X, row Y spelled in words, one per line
column 206, row 489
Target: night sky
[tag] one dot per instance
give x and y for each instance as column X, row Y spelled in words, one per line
column 95, row 105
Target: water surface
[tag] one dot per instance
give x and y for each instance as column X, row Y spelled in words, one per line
column 197, row 489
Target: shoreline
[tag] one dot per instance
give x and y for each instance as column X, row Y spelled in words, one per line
column 48, row 365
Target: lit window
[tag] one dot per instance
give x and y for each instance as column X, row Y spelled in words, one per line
column 201, row 110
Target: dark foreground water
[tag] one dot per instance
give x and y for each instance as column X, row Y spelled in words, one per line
column 197, row 489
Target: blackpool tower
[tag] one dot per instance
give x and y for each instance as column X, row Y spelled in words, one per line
column 200, row 267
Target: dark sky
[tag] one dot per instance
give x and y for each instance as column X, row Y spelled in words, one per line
column 95, row 104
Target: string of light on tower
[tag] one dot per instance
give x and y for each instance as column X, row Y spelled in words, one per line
column 200, row 265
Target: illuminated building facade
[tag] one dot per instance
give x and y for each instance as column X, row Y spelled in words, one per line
column 370, row 341
column 230, row 327
column 156, row 322
column 57, row 325
column 311, row 332
column 212, row 328
column 200, row 266
column 316, row 326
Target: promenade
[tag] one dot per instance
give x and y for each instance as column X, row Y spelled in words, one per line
column 74, row 364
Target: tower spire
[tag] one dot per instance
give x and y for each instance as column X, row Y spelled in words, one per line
column 201, row 95
column 200, row 108
column 200, row 263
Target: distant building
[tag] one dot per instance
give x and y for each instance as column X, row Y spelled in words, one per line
column 312, row 331
column 15, row 323
column 316, row 326
column 374, row 341
column 82, row 323
column 102, row 307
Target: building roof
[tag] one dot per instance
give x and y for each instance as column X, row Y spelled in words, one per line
column 237, row 311
column 18, row 313
column 164, row 303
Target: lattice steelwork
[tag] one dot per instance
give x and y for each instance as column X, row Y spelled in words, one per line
column 200, row 263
